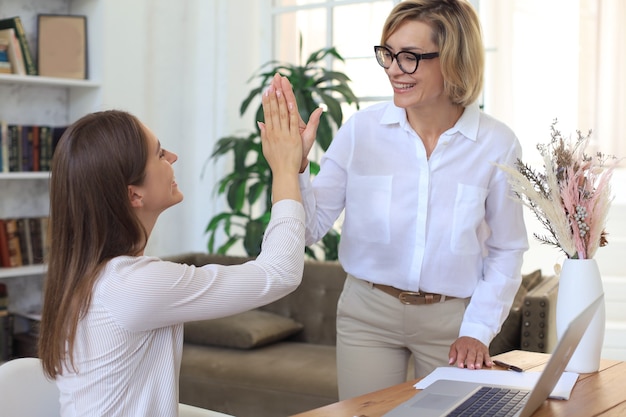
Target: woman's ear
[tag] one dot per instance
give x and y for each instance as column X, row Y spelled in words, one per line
column 135, row 196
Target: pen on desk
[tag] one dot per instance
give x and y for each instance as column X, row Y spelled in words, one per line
column 508, row 366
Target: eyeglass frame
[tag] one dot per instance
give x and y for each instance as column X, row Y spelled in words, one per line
column 418, row 58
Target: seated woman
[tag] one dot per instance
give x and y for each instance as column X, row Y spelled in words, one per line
column 112, row 321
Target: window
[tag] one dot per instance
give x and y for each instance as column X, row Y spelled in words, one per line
column 557, row 60
column 560, row 59
column 353, row 27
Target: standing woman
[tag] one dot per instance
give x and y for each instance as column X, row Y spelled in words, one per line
column 432, row 241
column 112, row 322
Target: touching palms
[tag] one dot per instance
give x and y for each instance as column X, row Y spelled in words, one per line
column 307, row 131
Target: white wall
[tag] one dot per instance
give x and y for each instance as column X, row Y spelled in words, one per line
column 181, row 68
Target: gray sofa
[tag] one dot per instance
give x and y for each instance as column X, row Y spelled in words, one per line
column 279, row 360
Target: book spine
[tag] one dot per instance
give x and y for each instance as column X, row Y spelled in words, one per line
column 13, row 243
column 26, row 247
column 36, row 146
column 31, row 69
column 4, row 143
column 14, row 50
column 45, row 148
column 4, row 54
column 14, row 148
column 19, row 144
column 27, row 149
column 36, row 239
column 5, row 260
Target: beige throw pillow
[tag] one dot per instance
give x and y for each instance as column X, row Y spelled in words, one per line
column 246, row 330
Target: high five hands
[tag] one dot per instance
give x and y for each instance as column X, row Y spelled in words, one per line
column 282, row 143
column 308, row 131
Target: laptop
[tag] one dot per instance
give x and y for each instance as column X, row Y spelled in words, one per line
column 454, row 398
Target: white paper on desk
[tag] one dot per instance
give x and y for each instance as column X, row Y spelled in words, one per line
column 526, row 380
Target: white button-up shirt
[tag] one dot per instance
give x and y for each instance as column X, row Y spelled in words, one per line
column 447, row 224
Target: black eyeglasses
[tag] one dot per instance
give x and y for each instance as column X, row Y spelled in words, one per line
column 407, row 61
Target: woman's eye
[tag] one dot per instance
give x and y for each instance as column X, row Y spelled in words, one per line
column 162, row 153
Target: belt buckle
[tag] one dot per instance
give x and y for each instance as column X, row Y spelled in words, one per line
column 402, row 296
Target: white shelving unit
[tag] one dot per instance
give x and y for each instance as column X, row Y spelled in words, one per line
column 38, row 100
column 34, row 80
column 24, row 175
column 22, row 271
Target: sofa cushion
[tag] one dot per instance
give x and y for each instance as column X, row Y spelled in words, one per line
column 314, row 302
column 280, row 379
column 509, row 337
column 244, row 331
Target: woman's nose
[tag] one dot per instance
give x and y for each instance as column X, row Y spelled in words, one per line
column 394, row 68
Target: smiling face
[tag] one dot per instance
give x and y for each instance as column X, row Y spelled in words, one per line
column 425, row 86
column 158, row 190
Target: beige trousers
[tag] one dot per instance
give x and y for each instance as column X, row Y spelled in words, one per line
column 377, row 334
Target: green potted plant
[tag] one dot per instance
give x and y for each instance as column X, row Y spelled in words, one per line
column 247, row 187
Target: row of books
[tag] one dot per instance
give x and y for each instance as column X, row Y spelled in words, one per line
column 27, row 148
column 23, row 241
column 15, row 53
column 5, row 64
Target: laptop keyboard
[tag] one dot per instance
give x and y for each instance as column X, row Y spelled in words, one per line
column 492, row 402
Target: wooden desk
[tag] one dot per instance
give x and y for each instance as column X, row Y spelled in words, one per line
column 598, row 394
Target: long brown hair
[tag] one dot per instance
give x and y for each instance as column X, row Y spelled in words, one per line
column 457, row 33
column 91, row 221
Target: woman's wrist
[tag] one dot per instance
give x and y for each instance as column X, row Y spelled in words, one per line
column 286, row 187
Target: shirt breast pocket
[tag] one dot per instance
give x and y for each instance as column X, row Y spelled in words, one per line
column 469, row 213
column 368, row 206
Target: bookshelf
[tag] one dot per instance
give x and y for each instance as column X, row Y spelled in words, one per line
column 24, row 175
column 38, row 100
column 12, row 79
column 48, row 100
column 22, row 271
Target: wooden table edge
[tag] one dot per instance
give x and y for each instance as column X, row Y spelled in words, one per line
column 379, row 402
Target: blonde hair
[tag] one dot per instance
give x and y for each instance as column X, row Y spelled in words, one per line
column 457, row 33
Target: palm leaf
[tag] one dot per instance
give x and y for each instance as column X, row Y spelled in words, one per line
column 250, row 182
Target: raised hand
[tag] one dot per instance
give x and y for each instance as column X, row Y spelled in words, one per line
column 282, row 144
column 308, row 131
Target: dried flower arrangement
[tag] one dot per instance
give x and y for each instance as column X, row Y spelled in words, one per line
column 571, row 198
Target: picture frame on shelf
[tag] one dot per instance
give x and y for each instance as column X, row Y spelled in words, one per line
column 62, row 46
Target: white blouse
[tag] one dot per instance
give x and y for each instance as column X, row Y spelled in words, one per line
column 444, row 224
column 129, row 344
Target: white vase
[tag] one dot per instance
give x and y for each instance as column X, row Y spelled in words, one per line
column 580, row 284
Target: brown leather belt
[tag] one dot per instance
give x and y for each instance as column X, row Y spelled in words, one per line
column 411, row 297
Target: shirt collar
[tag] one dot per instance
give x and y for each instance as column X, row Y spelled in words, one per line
column 467, row 125
column 393, row 115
